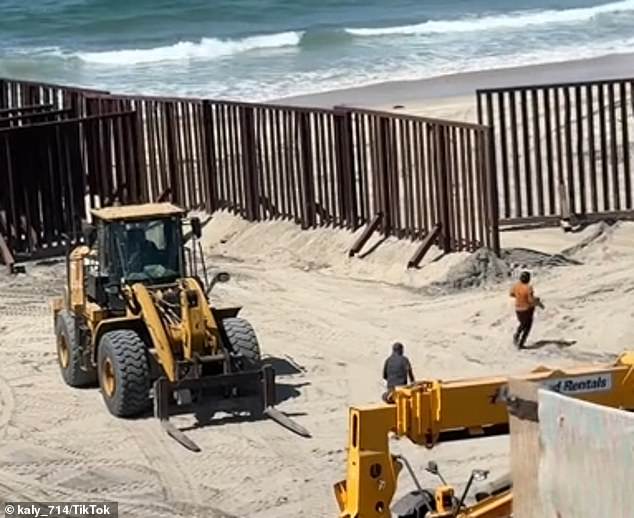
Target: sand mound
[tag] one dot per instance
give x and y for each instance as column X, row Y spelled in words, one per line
column 284, row 244
column 479, row 269
column 521, row 258
column 384, row 260
column 595, row 241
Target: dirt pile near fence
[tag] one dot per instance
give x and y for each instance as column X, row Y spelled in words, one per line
column 384, row 260
column 595, row 242
column 282, row 243
column 479, row 269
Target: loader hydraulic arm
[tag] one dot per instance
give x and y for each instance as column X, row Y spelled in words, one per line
column 429, row 412
column 197, row 331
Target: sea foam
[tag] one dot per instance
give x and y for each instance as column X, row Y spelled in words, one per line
column 515, row 20
column 206, row 48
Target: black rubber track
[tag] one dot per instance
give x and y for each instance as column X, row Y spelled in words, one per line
column 73, row 374
column 128, row 355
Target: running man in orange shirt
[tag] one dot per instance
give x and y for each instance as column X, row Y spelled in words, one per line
column 525, row 302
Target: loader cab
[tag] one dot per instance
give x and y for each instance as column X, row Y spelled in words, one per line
column 147, row 251
column 134, row 243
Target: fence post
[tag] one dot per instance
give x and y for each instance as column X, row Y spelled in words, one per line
column 345, row 163
column 443, row 187
column 139, row 160
column 490, row 174
column 384, row 163
column 249, row 163
column 11, row 210
column 211, row 199
column 174, row 186
column 342, row 184
column 4, row 94
column 479, row 107
column 307, row 186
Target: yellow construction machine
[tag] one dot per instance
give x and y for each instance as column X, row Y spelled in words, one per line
column 429, row 412
column 136, row 318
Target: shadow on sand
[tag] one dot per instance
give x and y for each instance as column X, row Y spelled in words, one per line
column 372, row 248
column 561, row 344
column 213, row 410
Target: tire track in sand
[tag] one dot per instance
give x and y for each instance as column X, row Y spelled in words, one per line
column 7, row 404
column 298, row 460
column 176, row 481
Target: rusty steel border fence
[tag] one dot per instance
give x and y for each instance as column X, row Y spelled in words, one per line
column 46, row 188
column 424, row 178
column 31, row 96
column 424, row 174
column 563, row 151
column 319, row 167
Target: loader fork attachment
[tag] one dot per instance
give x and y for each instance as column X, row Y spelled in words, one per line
column 163, row 390
column 162, row 393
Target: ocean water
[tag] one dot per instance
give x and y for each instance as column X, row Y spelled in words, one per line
column 267, row 49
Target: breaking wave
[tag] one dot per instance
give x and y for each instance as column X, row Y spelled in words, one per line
column 206, row 48
column 515, row 20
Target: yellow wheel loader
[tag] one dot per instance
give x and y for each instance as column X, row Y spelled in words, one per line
column 137, row 320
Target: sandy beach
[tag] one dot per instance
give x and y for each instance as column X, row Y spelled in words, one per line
column 453, row 96
column 327, row 321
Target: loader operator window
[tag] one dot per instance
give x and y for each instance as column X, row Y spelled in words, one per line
column 148, row 250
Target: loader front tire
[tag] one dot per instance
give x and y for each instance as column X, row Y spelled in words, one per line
column 242, row 340
column 124, row 372
column 69, row 353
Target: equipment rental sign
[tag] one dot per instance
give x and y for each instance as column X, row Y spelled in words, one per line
column 580, row 384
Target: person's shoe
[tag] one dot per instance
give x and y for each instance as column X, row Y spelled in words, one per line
column 516, row 340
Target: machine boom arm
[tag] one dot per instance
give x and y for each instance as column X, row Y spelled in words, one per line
column 432, row 411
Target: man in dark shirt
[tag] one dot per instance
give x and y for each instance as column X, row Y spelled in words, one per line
column 143, row 252
column 396, row 371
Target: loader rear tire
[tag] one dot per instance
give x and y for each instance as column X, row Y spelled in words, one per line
column 242, row 339
column 69, row 353
column 124, row 372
